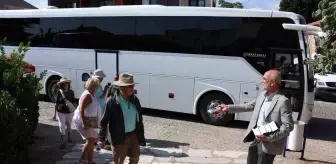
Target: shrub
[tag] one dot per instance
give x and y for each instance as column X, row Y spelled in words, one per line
column 327, row 58
column 19, row 110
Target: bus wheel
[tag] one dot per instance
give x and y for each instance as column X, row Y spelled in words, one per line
column 210, row 101
column 52, row 88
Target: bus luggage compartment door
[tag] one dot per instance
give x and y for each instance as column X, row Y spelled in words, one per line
column 248, row 93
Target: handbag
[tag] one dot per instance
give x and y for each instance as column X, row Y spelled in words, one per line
column 70, row 105
column 91, row 122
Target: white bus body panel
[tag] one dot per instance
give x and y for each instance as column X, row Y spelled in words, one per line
column 61, row 62
column 188, row 77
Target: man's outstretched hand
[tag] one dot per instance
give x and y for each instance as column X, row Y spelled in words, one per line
column 223, row 107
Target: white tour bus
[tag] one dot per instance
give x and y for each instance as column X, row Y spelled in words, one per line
column 184, row 59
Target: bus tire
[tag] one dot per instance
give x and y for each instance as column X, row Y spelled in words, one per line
column 51, row 86
column 221, row 120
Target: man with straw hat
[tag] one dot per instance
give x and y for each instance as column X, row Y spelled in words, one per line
column 124, row 115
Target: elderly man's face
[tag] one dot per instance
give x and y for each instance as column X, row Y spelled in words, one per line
column 129, row 90
column 267, row 81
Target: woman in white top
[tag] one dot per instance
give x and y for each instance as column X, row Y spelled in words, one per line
column 87, row 118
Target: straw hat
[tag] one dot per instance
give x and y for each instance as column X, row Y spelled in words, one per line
column 63, row 80
column 125, row 79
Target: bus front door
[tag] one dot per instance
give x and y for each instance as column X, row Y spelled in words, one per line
column 289, row 63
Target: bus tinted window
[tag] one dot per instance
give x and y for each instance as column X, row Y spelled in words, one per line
column 89, row 33
column 50, row 32
column 249, row 38
column 115, row 33
column 13, row 30
column 167, row 34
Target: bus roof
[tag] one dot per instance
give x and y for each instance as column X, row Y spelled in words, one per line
column 144, row 10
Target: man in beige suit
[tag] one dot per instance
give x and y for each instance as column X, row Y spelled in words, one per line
column 269, row 106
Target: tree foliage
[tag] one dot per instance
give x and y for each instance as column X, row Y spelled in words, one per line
column 327, row 52
column 19, row 110
column 302, row 7
column 225, row 4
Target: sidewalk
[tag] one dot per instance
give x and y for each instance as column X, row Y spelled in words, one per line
column 150, row 155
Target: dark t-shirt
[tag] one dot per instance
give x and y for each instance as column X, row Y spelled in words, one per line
column 60, row 103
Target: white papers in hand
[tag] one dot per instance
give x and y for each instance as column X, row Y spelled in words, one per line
column 267, row 128
column 273, row 126
column 256, row 131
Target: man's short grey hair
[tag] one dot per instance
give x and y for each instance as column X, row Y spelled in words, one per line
column 276, row 76
column 92, row 82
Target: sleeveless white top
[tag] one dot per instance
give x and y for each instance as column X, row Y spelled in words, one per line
column 92, row 110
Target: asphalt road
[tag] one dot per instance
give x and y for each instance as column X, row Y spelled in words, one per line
column 167, row 129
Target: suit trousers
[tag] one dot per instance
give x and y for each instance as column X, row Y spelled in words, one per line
column 257, row 156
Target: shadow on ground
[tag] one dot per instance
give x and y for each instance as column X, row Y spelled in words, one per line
column 189, row 118
column 164, row 144
column 46, row 150
column 316, row 130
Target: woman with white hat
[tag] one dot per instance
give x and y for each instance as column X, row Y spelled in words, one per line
column 100, row 92
column 65, row 107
